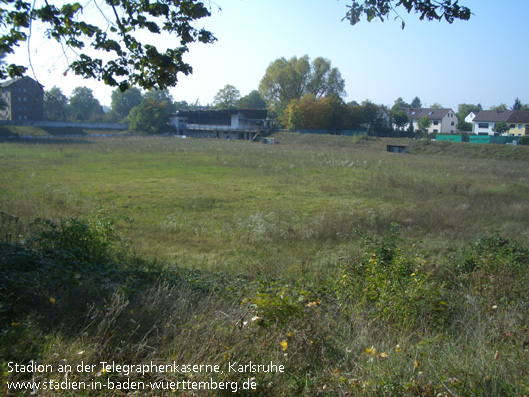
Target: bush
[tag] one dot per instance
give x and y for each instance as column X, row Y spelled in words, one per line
column 90, row 241
column 388, row 283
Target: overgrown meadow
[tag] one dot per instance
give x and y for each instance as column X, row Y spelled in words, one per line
column 361, row 271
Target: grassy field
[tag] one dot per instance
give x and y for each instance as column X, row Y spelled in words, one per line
column 239, row 206
column 299, row 236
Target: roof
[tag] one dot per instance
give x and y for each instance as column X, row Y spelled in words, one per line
column 9, row 83
column 431, row 113
column 520, row 116
column 493, row 116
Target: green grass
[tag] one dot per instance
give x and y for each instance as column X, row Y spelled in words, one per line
column 207, row 235
column 223, row 205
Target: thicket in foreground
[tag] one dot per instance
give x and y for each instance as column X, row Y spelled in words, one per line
column 387, row 324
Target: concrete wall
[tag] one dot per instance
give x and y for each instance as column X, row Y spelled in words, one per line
column 66, row 124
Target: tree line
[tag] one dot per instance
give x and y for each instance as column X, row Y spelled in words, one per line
column 146, row 112
column 300, row 94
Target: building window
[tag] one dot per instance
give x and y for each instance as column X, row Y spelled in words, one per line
column 512, row 126
column 483, row 125
column 436, row 122
column 452, row 123
column 519, row 126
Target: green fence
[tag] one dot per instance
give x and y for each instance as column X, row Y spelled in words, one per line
column 479, row 139
column 449, row 138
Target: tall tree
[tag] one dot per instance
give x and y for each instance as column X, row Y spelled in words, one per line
column 286, row 80
column 124, row 37
column 84, row 106
column 253, row 100
column 448, row 10
column 55, row 104
column 122, row 103
column 517, row 104
column 370, row 115
column 227, row 97
column 436, row 105
column 416, row 103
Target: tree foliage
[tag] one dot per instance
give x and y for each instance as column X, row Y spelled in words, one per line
column 499, row 108
column 400, row 119
column 163, row 96
column 84, row 106
column 286, row 80
column 122, row 103
column 132, row 61
column 150, row 117
column 424, row 123
column 399, row 105
column 312, row 113
column 463, row 110
column 55, row 104
column 500, row 127
column 227, row 97
column 449, row 10
column 371, row 116
column 416, row 103
column 253, row 100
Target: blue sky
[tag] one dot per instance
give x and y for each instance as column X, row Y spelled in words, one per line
column 484, row 60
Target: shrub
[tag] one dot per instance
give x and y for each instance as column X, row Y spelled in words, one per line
column 388, row 283
column 493, row 269
column 78, row 241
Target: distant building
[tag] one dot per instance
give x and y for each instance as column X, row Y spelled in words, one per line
column 443, row 120
column 22, row 99
column 485, row 121
column 224, row 123
column 519, row 123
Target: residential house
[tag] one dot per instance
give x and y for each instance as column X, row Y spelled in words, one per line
column 485, row 121
column 442, row 120
column 21, row 99
column 223, row 123
column 519, row 123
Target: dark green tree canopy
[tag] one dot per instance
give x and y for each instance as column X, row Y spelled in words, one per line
column 416, row 103
column 132, row 62
column 55, row 104
column 150, row 117
column 84, row 106
column 449, row 10
column 400, row 119
column 122, row 103
column 253, row 100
